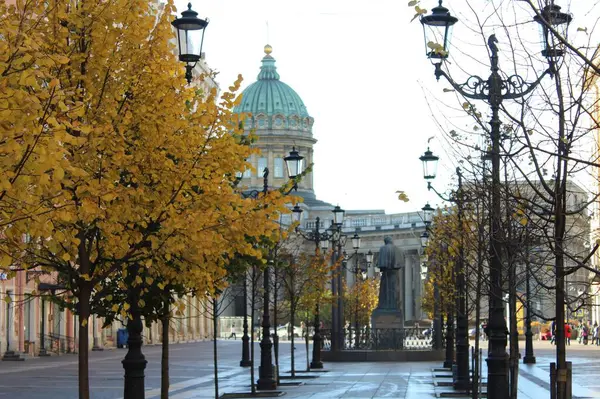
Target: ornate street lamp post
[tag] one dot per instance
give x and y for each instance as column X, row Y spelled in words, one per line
column 529, row 357
column 437, row 27
column 362, row 275
column 190, row 37
column 462, row 340
column 266, row 374
column 321, row 240
column 359, row 274
column 266, row 381
column 436, row 333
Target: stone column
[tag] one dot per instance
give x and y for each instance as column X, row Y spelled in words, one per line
column 11, row 352
column 202, row 330
column 595, row 290
column 20, row 310
column 408, row 284
column 10, row 326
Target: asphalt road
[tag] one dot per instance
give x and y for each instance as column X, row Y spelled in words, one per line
column 190, row 364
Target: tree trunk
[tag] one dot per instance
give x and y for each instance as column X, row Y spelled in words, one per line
column 514, row 337
column 560, row 202
column 164, row 361
column 513, row 358
column 276, row 336
column 306, row 342
column 215, row 352
column 83, row 367
column 252, row 314
column 292, row 319
column 480, row 260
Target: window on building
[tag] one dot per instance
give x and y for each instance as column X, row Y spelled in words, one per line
column 262, row 164
column 278, row 167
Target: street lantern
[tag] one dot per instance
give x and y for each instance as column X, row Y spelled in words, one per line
column 190, row 37
column 424, row 239
column 437, row 29
column 324, row 245
column 430, row 162
column 296, row 213
column 423, row 271
column 294, row 163
column 338, row 216
column 356, row 242
column 369, row 257
column 552, row 48
column 427, row 214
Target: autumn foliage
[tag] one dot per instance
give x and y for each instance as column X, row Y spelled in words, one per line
column 110, row 165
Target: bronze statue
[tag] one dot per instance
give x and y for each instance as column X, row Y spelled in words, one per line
column 390, row 260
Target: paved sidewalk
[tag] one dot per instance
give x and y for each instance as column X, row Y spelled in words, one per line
column 534, row 382
column 343, row 380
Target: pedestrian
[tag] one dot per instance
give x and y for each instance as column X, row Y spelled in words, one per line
column 595, row 334
column 232, row 335
column 568, row 333
column 553, row 332
column 585, row 334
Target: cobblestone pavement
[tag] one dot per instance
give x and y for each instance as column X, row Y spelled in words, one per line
column 192, row 375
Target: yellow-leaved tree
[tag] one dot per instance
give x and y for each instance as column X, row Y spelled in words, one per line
column 360, row 300
column 32, row 157
column 441, row 252
column 140, row 179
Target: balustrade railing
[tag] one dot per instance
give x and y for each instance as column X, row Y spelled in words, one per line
column 382, row 339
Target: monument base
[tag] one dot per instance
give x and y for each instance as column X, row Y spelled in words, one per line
column 387, row 319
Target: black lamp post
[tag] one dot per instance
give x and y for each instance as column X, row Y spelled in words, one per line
column 437, row 27
column 338, row 242
column 266, row 373
column 462, row 327
column 437, row 324
column 321, row 240
column 245, row 362
column 190, row 37
column 358, row 274
column 529, row 358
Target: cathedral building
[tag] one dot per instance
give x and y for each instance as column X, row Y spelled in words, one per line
column 280, row 120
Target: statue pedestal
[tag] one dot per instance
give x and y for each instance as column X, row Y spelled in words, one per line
column 387, row 319
column 387, row 329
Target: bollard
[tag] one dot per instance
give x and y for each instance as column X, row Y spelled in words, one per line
column 569, row 382
column 479, row 384
column 552, row 380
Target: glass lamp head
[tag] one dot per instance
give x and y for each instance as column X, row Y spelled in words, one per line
column 190, row 35
column 551, row 15
column 294, row 163
column 338, row 216
column 356, row 242
column 430, row 163
column 437, row 30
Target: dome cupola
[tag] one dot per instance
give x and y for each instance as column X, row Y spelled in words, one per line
column 272, row 104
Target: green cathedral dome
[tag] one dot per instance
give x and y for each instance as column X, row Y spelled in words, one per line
column 272, row 103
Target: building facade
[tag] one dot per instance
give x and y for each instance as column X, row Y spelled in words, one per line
column 276, row 114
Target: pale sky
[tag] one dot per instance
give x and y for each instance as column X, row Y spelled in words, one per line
column 360, row 68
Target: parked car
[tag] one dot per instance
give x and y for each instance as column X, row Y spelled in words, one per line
column 472, row 332
column 545, row 335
